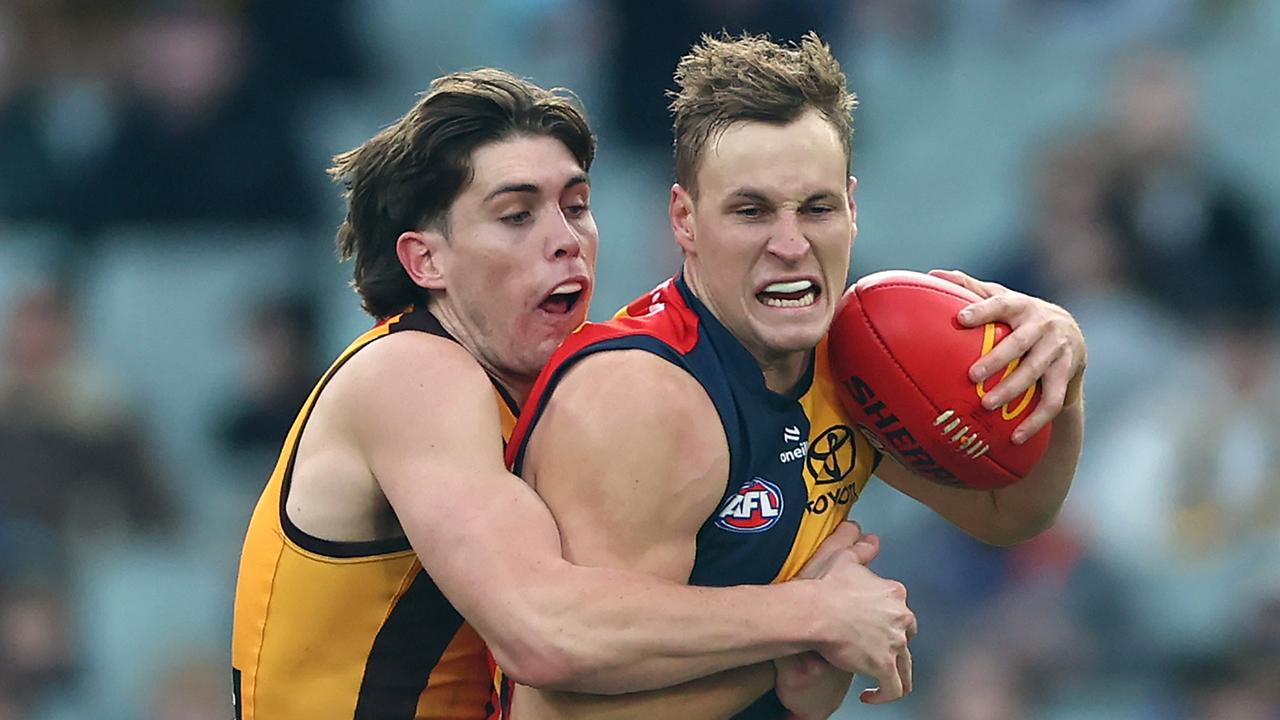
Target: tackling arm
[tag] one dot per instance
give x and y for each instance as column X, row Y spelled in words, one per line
column 422, row 414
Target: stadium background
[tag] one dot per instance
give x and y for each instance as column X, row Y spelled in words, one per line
column 168, row 292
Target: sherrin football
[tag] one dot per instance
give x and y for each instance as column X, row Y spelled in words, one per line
column 901, row 359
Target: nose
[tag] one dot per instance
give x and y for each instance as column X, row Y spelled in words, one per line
column 788, row 242
column 563, row 240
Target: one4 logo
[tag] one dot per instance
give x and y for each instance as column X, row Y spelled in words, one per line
column 755, row 507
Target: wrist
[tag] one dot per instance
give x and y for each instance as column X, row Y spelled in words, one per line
column 816, row 609
column 806, row 616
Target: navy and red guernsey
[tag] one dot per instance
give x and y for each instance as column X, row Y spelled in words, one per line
column 796, row 465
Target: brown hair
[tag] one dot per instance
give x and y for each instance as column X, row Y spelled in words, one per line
column 408, row 175
column 730, row 79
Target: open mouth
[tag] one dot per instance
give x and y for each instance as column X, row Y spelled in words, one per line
column 790, row 294
column 564, row 298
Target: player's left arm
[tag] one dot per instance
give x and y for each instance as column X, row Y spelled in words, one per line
column 1050, row 348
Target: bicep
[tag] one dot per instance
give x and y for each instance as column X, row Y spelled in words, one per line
column 430, row 434
column 629, row 474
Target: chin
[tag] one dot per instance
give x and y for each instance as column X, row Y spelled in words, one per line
column 536, row 359
column 795, row 337
column 792, row 342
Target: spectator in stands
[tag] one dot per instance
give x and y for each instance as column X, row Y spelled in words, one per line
column 198, row 140
column 69, row 451
column 655, row 33
column 1190, row 237
column 37, row 658
column 57, row 79
column 281, row 370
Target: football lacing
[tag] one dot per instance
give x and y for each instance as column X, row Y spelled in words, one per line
column 968, row 443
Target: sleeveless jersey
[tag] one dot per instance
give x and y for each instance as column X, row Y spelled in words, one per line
column 348, row 630
column 795, row 463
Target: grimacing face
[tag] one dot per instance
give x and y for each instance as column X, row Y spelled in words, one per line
column 519, row 264
column 768, row 237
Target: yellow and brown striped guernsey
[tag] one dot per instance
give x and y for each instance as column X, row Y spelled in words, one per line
column 351, row 630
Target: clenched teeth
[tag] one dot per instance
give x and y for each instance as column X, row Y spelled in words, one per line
column 804, row 301
column 789, row 287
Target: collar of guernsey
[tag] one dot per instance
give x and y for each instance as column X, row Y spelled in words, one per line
column 737, row 360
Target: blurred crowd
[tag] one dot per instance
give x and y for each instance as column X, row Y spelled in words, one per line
column 168, row 295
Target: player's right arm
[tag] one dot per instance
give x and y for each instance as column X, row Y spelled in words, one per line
column 421, row 413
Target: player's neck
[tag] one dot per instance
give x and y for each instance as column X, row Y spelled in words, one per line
column 517, row 386
column 782, row 374
column 782, row 371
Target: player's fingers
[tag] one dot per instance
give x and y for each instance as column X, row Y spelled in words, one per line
column 904, row 670
column 1003, row 307
column 890, row 687
column 890, row 679
column 1053, row 388
column 844, row 537
column 846, row 533
column 964, row 280
column 867, row 548
column 828, row 557
column 913, row 628
column 1031, row 367
column 1010, row 348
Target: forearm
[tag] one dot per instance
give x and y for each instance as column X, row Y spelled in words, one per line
column 617, row 631
column 555, row 625
column 1029, row 506
column 1015, row 513
column 721, row 695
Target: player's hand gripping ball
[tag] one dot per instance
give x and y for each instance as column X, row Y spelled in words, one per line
column 902, row 362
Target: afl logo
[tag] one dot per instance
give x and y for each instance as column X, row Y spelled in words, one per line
column 755, row 507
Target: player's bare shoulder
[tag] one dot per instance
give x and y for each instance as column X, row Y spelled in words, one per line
column 642, row 405
column 405, row 360
column 636, row 391
column 403, row 378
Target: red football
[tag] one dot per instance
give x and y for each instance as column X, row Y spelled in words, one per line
column 902, row 362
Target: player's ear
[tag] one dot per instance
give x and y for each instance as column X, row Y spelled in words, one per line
column 421, row 254
column 682, row 220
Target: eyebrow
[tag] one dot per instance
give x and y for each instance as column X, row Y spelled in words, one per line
column 757, row 196
column 524, row 187
column 749, row 194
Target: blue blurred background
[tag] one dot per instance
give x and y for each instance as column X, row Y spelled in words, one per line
column 169, row 292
